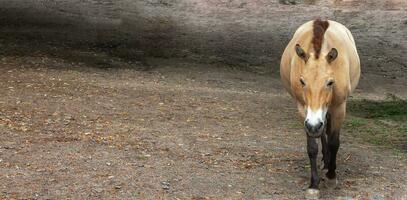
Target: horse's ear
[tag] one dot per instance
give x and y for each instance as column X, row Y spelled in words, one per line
column 332, row 55
column 301, row 53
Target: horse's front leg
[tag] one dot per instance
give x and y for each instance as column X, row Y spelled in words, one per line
column 333, row 129
column 325, row 148
column 333, row 145
column 312, row 150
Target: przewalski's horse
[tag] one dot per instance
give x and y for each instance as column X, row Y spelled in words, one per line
column 320, row 67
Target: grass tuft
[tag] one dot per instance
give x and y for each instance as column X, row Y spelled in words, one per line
column 378, row 122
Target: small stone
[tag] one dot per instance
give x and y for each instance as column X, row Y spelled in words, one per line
column 288, row 2
column 312, row 194
column 378, row 197
column 165, row 185
column 98, row 190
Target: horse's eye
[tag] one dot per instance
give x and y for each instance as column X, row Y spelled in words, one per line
column 330, row 83
column 302, row 82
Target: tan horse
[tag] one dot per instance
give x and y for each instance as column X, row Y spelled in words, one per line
column 320, row 67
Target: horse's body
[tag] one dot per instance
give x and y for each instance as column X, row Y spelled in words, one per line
column 320, row 67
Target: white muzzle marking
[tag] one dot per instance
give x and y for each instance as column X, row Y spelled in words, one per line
column 315, row 117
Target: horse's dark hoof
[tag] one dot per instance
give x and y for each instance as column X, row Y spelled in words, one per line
column 331, row 183
column 311, row 194
column 330, row 175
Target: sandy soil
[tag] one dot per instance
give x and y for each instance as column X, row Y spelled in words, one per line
column 177, row 131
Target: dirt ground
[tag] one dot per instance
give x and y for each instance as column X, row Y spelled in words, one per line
column 179, row 130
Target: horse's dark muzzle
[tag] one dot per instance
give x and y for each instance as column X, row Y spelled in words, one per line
column 314, row 130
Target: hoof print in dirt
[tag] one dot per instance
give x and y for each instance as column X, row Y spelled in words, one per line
column 312, row 194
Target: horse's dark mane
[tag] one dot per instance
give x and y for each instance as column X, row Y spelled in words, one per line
column 318, row 37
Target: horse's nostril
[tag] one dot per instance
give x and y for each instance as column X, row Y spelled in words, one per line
column 320, row 125
column 308, row 125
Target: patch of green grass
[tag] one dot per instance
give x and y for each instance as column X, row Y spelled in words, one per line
column 355, row 123
column 395, row 109
column 296, row 125
column 381, row 123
